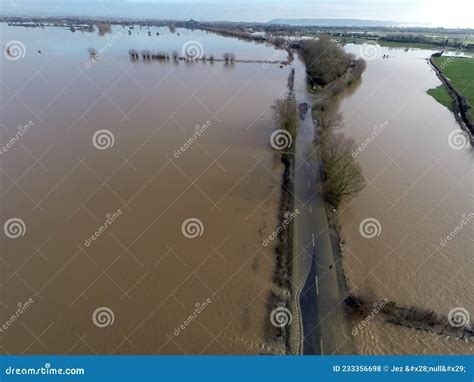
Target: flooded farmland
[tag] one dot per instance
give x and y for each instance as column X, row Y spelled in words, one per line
column 142, row 192
column 139, row 195
column 419, row 192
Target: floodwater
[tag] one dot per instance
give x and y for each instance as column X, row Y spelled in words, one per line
column 419, row 189
column 140, row 286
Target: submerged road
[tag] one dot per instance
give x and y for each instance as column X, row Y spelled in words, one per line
column 324, row 321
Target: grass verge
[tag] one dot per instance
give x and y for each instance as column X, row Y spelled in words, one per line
column 460, row 71
column 441, row 95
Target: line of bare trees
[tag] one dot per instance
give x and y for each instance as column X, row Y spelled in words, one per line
column 229, row 57
column 148, row 55
column 328, row 66
column 342, row 175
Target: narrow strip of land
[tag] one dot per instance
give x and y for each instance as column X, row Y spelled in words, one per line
column 324, row 321
column 457, row 91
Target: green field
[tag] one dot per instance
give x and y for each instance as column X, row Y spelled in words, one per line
column 441, row 95
column 460, row 71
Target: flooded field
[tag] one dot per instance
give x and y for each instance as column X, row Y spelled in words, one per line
column 419, row 193
column 142, row 193
column 138, row 195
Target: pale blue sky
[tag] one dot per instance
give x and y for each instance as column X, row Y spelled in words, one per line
column 455, row 13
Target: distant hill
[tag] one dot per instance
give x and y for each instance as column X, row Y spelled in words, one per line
column 335, row 22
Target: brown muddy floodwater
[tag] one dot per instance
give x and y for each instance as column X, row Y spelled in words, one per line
column 133, row 288
column 419, row 189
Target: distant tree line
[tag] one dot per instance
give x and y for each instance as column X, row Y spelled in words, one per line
column 424, row 39
column 234, row 27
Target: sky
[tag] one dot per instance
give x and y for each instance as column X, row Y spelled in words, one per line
column 453, row 14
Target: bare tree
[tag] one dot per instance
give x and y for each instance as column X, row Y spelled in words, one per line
column 325, row 60
column 285, row 114
column 133, row 53
column 226, row 57
column 327, row 117
column 342, row 175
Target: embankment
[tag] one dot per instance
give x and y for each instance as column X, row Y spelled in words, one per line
column 460, row 105
column 283, row 251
